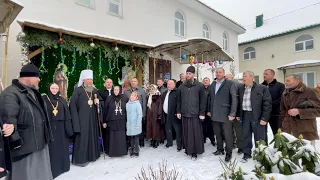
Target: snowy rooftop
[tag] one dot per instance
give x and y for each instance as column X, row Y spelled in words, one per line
column 288, row 22
column 307, row 62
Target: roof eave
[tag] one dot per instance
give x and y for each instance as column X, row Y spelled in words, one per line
column 280, row 34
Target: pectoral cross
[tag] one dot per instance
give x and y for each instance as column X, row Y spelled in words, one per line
column 116, row 110
column 120, row 111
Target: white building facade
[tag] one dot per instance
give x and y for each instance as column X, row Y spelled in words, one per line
column 144, row 21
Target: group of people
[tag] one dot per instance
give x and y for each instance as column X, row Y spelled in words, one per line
column 37, row 130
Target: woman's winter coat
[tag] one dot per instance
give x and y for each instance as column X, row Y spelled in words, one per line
column 134, row 118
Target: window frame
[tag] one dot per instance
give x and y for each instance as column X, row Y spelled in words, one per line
column 225, row 40
column 250, row 58
column 179, row 27
column 206, row 31
column 305, row 77
column 303, row 44
column 92, row 6
column 120, row 8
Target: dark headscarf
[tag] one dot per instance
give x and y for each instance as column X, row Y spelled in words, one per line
column 53, row 98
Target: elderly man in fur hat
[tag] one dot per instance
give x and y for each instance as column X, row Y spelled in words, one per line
column 83, row 107
column 22, row 106
column 191, row 108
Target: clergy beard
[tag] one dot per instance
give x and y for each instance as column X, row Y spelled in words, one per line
column 88, row 88
column 189, row 81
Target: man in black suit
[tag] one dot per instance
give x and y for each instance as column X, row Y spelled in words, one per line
column 222, row 109
column 169, row 115
column 254, row 110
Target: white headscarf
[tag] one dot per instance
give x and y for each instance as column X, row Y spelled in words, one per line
column 85, row 74
column 151, row 93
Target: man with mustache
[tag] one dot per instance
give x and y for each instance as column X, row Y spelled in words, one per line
column 23, row 111
column 191, row 106
column 83, row 109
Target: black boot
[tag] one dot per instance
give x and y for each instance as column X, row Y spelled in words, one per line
column 156, row 144
column 217, row 153
column 228, row 157
column 194, row 156
column 151, row 143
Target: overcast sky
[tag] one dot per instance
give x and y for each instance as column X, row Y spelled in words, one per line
column 245, row 11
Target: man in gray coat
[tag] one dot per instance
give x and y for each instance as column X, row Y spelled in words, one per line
column 143, row 101
column 222, row 109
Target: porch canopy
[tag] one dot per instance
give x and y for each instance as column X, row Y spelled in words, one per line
column 201, row 48
column 9, row 10
column 300, row 64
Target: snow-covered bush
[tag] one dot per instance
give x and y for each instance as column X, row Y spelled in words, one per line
column 162, row 173
column 289, row 155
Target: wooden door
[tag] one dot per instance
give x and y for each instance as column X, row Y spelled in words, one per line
column 159, row 69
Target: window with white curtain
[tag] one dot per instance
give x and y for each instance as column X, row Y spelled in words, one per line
column 205, row 31
column 304, row 42
column 87, row 3
column 179, row 24
column 115, row 7
column 225, row 41
column 308, row 78
column 249, row 53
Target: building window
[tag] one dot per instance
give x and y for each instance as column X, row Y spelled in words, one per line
column 308, row 78
column 205, row 31
column 179, row 24
column 87, row 3
column 304, row 43
column 249, row 53
column 225, row 42
column 115, row 7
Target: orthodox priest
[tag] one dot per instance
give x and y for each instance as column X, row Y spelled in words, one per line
column 191, row 108
column 83, row 109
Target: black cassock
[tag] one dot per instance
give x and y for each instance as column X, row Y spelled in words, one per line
column 116, row 143
column 61, row 126
column 85, row 126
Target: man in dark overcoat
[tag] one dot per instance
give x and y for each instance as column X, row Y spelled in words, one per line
column 191, row 109
column 222, row 109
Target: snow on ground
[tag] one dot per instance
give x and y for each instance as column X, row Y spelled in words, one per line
column 207, row 167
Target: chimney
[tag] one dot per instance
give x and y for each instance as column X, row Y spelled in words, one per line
column 259, row 21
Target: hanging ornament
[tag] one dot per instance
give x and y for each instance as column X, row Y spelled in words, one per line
column 195, row 61
column 74, row 60
column 61, row 55
column 220, row 61
column 55, row 46
column 88, row 61
column 92, row 45
column 183, row 57
column 133, row 50
column 60, row 40
column 204, row 62
column 116, row 48
column 210, row 63
column 24, row 48
column 191, row 60
column 110, row 66
column 42, row 68
column 100, row 63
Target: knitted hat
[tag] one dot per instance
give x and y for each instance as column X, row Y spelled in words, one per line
column 29, row 70
column 166, row 76
column 191, row 69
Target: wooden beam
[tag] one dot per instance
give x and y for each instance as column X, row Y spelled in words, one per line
column 36, row 52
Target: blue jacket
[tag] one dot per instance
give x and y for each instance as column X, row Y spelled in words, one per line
column 134, row 118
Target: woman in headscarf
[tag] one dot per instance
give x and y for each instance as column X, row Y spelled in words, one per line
column 61, row 125
column 114, row 120
column 154, row 109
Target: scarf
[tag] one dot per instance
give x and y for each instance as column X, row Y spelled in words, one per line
column 151, row 93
